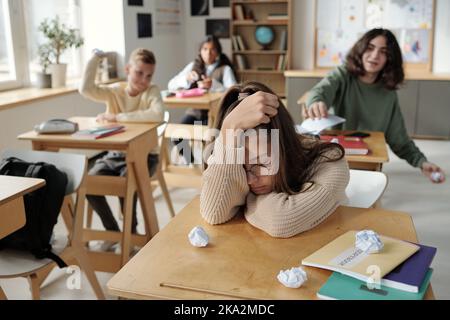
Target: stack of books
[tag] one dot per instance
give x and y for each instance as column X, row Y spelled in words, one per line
column 402, row 268
column 99, row 132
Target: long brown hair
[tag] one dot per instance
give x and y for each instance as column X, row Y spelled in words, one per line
column 392, row 74
column 199, row 64
column 299, row 155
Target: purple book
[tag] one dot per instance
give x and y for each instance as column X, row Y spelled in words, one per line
column 410, row 274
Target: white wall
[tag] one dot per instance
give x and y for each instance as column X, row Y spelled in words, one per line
column 168, row 48
column 20, row 119
column 196, row 30
column 442, row 39
column 103, row 28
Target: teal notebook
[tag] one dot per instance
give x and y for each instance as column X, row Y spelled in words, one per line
column 342, row 287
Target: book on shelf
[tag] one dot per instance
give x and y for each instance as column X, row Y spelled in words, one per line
column 241, row 43
column 242, row 65
column 281, row 64
column 352, row 145
column 410, row 275
column 341, row 255
column 235, row 43
column 99, row 132
column 283, row 40
column 342, row 287
column 277, row 16
column 239, row 12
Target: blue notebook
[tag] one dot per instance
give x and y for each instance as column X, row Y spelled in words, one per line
column 410, row 274
column 342, row 287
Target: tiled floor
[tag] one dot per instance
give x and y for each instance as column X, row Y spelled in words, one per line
column 408, row 191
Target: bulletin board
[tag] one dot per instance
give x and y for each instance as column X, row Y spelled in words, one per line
column 340, row 23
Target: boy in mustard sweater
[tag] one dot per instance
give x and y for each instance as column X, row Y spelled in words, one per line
column 136, row 100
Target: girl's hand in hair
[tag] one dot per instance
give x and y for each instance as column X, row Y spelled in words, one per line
column 252, row 111
column 317, row 110
column 192, row 76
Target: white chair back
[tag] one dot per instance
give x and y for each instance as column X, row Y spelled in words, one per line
column 160, row 130
column 365, row 188
column 74, row 165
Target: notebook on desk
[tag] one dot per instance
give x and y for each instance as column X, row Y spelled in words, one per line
column 342, row 256
column 352, row 145
column 342, row 287
column 99, row 132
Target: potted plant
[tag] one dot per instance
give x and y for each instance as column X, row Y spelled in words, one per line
column 60, row 38
column 44, row 79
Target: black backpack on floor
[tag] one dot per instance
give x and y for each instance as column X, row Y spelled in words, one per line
column 42, row 208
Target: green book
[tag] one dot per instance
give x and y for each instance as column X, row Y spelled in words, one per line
column 342, row 287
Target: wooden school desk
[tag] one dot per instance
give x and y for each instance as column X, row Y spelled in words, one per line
column 378, row 152
column 12, row 209
column 137, row 141
column 240, row 262
column 209, row 101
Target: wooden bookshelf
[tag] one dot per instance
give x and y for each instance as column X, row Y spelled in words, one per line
column 252, row 62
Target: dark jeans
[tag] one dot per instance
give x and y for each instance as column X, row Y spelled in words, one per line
column 114, row 164
column 184, row 149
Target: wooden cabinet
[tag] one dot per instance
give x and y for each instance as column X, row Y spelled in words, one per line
column 407, row 97
column 253, row 61
column 433, row 109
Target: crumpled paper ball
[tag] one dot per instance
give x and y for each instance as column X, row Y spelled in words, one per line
column 436, row 176
column 368, row 241
column 198, row 237
column 293, row 278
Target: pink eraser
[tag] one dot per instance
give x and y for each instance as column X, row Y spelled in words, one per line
column 196, row 92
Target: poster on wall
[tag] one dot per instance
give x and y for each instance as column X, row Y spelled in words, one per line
column 145, row 29
column 218, row 27
column 352, row 15
column 221, row 3
column 168, row 17
column 333, row 46
column 139, row 3
column 199, row 8
column 415, row 45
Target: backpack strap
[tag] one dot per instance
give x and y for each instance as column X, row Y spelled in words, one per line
column 33, row 170
column 5, row 163
column 50, row 255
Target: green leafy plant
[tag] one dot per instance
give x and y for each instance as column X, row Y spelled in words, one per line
column 44, row 52
column 60, row 37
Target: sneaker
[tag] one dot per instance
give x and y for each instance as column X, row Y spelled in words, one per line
column 176, row 158
column 108, row 246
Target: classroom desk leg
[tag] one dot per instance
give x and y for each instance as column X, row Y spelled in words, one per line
column 128, row 212
column 139, row 166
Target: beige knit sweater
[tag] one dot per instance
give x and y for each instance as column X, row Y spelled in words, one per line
column 225, row 191
column 145, row 107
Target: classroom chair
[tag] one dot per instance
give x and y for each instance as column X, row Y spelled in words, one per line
column 157, row 180
column 70, row 248
column 184, row 176
column 365, row 188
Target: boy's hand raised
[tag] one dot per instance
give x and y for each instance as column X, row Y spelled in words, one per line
column 252, row 111
column 99, row 53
